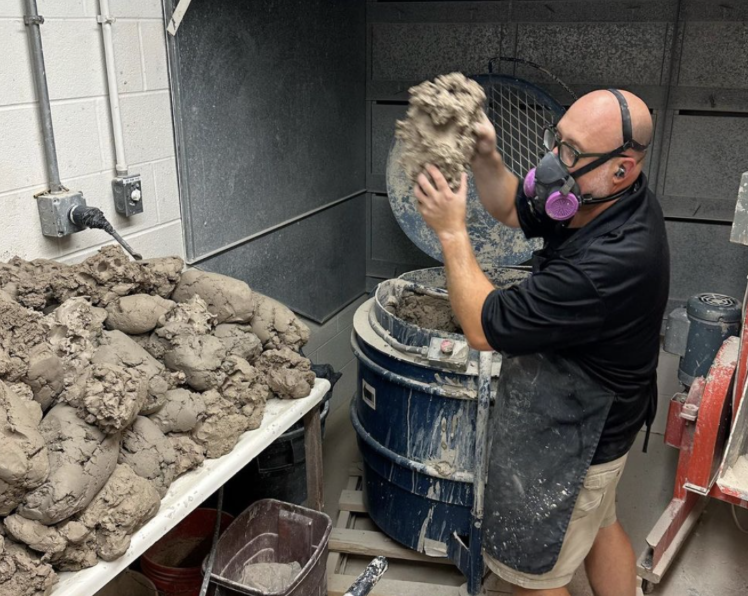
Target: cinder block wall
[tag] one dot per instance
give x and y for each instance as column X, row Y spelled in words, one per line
column 80, row 110
column 699, row 151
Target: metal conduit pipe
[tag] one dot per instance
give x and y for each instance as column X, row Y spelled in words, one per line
column 33, row 22
column 106, row 20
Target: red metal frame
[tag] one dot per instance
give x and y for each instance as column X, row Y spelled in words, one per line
column 699, row 426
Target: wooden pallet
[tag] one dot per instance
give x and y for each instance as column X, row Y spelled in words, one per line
column 347, row 542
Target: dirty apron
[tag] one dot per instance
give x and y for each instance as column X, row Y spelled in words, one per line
column 544, row 432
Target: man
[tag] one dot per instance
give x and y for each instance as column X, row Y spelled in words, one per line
column 580, row 339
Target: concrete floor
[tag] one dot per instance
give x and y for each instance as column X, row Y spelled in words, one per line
column 714, row 562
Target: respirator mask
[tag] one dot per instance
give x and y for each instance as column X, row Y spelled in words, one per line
column 553, row 191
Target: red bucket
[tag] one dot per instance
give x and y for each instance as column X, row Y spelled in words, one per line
column 174, row 563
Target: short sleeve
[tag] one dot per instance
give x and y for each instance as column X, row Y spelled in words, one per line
column 553, row 309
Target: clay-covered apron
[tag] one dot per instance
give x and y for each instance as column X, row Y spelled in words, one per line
column 544, row 432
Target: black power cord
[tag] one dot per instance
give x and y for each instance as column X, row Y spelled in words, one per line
column 93, row 217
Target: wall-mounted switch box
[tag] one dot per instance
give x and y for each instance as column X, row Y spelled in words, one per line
column 54, row 210
column 128, row 195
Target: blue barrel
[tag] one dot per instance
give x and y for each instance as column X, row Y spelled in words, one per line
column 415, row 423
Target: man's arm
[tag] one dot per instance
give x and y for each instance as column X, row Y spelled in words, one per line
column 468, row 286
column 497, row 186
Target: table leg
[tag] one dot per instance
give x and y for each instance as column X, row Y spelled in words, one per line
column 313, row 449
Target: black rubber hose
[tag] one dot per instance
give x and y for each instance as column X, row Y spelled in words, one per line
column 93, row 217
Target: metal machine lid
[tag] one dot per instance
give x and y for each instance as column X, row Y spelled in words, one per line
column 519, row 110
column 493, row 242
column 714, row 307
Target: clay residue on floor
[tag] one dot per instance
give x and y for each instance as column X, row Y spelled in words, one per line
column 440, row 126
column 428, row 312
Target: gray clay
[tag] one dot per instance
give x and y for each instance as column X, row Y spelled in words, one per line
column 229, row 299
column 22, row 573
column 149, row 453
column 189, row 454
column 182, row 411
column 199, row 357
column 163, row 275
column 222, row 427
column 137, row 313
column 287, row 373
column 24, row 462
column 440, row 126
column 277, row 326
column 81, row 459
column 239, row 340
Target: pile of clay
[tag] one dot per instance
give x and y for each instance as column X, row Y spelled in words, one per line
column 117, row 377
column 429, row 312
column 439, row 128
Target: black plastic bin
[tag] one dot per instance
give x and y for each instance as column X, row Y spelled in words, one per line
column 270, row 531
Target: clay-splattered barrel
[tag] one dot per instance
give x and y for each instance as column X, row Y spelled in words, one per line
column 414, row 415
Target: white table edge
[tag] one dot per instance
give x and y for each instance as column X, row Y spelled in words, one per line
column 191, row 489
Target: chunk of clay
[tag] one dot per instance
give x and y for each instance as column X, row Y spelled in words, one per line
column 137, row 313
column 199, row 357
column 182, row 411
column 246, row 388
column 191, row 317
column 222, row 427
column 74, row 329
column 24, row 463
column 149, row 453
column 277, row 326
column 239, row 340
column 189, row 454
column 121, row 350
column 228, row 298
column 80, row 552
column 440, row 126
column 123, row 506
column 38, row 537
column 23, row 573
column 45, row 375
column 21, row 329
column 81, row 459
column 287, row 373
column 163, row 275
column 112, row 397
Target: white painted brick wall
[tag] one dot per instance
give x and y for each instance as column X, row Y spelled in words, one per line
column 80, row 110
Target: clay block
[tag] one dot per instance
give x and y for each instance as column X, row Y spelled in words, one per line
column 277, row 326
column 136, row 314
column 149, row 454
column 228, row 298
column 287, row 373
column 181, row 412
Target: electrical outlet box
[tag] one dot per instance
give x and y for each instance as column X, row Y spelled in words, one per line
column 54, row 210
column 128, row 195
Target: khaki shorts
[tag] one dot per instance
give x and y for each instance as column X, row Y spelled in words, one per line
column 595, row 508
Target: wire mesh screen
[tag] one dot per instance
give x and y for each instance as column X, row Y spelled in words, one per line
column 519, row 111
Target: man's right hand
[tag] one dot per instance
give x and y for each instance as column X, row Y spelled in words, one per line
column 485, row 135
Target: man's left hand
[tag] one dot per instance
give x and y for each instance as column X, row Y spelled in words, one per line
column 441, row 208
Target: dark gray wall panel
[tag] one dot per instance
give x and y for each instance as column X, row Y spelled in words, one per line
column 405, row 51
column 714, row 55
column 596, row 53
column 388, row 242
column 314, row 266
column 706, row 158
column 595, row 10
column 383, row 118
column 272, row 101
column 704, row 260
column 449, row 12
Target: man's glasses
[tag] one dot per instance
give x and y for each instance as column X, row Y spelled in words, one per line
column 568, row 154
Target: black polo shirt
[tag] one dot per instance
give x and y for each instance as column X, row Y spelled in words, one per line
column 597, row 296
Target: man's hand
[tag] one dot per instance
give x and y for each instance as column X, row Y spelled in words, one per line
column 485, row 136
column 442, row 209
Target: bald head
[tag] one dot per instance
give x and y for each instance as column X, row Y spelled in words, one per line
column 594, row 120
column 593, row 124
